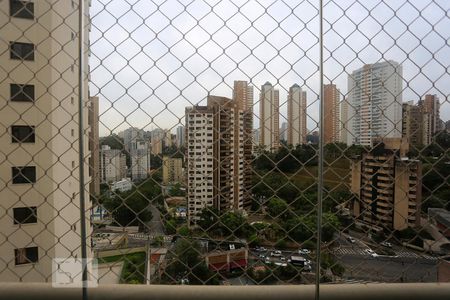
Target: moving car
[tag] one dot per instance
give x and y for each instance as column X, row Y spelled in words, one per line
column 304, row 251
column 275, row 253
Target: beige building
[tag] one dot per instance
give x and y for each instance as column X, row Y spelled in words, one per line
column 94, row 147
column 344, row 122
column 331, row 118
column 243, row 97
column 40, row 192
column 416, row 124
column 215, row 156
column 296, row 128
column 432, row 106
column 172, row 170
column 269, row 118
column 112, row 165
column 387, row 186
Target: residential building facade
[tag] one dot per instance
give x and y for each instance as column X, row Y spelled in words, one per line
column 215, row 156
column 172, row 170
column 94, row 147
column 296, row 128
column 331, row 103
column 180, row 136
column 269, row 116
column 39, row 111
column 387, row 186
column 375, row 103
column 112, row 164
column 140, row 161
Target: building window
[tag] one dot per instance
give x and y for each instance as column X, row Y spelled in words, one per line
column 25, row 215
column 26, row 255
column 23, row 175
column 22, row 92
column 22, row 134
column 21, row 9
column 24, row 51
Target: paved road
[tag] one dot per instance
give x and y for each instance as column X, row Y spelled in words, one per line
column 405, row 266
column 156, row 225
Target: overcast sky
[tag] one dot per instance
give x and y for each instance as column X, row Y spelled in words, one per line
column 151, row 59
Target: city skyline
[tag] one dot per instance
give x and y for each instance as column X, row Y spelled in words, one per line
column 144, row 97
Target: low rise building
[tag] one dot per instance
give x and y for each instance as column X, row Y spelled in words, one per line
column 440, row 217
column 123, row 185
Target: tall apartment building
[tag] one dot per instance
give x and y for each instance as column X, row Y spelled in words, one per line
column 296, row 131
column 283, row 131
column 388, row 186
column 269, row 116
column 375, row 103
column 180, row 136
column 40, row 196
column 243, row 99
column 344, row 122
column 157, row 140
column 140, row 160
column 215, row 156
column 172, row 169
column 432, row 106
column 331, row 119
column 94, row 146
column 112, row 165
column 416, row 124
column 130, row 136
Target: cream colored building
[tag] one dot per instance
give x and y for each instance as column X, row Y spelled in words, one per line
column 39, row 170
column 269, row 117
column 172, row 170
column 387, row 186
column 296, row 125
column 331, row 119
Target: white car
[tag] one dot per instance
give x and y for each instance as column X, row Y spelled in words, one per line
column 371, row 252
column 275, row 253
column 304, row 251
column 386, row 244
column 351, row 240
column 282, row 258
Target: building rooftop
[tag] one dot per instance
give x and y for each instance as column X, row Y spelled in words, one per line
column 441, row 215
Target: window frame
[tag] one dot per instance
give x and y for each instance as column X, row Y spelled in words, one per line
column 30, row 138
column 17, row 172
column 20, row 56
column 30, row 219
column 21, row 9
column 21, row 92
column 23, row 256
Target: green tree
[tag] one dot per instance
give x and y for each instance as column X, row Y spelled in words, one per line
column 209, row 218
column 113, row 141
column 188, row 263
column 277, row 207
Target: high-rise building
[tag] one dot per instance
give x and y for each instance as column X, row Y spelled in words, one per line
column 94, row 147
column 112, row 164
column 344, row 122
column 180, row 136
column 432, row 106
column 416, row 124
column 269, row 127
column 375, row 103
column 140, row 160
column 243, row 100
column 39, row 112
column 387, row 186
column 130, row 136
column 172, row 169
column 215, row 156
column 283, row 131
column 167, row 139
column 331, row 109
column 157, row 139
column 296, row 131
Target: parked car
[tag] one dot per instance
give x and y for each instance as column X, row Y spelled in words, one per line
column 386, row 244
column 282, row 258
column 275, row 253
column 261, row 249
column 304, row 251
column 262, row 256
column 351, row 240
